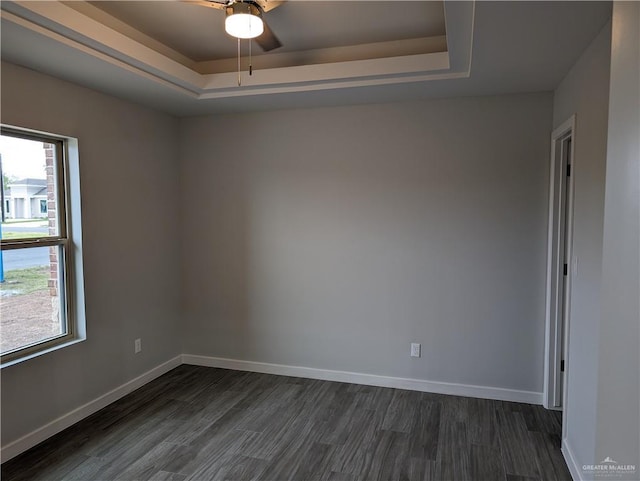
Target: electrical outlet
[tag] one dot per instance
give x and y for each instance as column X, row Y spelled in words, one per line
column 137, row 346
column 415, row 349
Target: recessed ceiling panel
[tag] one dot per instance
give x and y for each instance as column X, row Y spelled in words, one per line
column 198, row 32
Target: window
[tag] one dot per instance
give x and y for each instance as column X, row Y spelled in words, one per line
column 38, row 270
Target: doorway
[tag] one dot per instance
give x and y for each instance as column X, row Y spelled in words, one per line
column 559, row 265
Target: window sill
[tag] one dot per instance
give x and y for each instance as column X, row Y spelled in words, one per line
column 33, row 355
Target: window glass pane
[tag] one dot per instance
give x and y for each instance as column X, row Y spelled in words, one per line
column 28, row 188
column 34, row 274
column 30, row 301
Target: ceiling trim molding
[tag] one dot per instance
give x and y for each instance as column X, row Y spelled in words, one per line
column 104, row 18
column 59, row 39
column 83, row 32
column 358, row 70
column 378, row 50
column 72, row 28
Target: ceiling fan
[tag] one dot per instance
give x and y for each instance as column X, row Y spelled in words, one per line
column 244, row 19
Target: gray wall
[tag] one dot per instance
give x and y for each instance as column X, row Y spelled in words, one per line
column 585, row 92
column 128, row 171
column 332, row 238
column 619, row 365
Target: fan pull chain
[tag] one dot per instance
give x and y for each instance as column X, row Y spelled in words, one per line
column 250, row 66
column 239, row 79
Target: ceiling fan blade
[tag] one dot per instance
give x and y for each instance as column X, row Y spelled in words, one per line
column 268, row 40
column 265, row 5
column 268, row 5
column 218, row 5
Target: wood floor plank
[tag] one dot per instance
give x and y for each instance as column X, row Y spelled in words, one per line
column 515, row 444
column 455, row 409
column 189, row 430
column 256, row 420
column 218, row 429
column 482, row 423
column 155, row 460
column 486, row 463
column 180, row 457
column 549, row 459
column 200, row 424
column 541, row 420
column 120, row 457
column 422, row 469
column 354, row 453
column 401, row 412
column 168, row 476
column 333, row 476
column 371, row 397
column 212, row 453
column 234, row 467
column 217, row 402
column 289, row 430
column 380, row 399
column 389, row 457
column 306, row 461
column 337, row 416
column 548, row 421
column 281, row 396
column 426, row 430
column 256, row 389
column 515, row 477
column 318, row 406
column 452, row 461
column 315, row 466
column 46, row 469
column 83, row 472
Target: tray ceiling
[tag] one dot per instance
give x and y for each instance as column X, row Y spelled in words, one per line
column 176, row 57
column 198, row 33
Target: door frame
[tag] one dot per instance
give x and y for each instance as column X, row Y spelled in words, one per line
column 561, row 195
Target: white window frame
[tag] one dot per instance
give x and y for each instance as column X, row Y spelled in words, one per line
column 68, row 241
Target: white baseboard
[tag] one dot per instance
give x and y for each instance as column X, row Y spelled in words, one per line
column 54, row 427
column 369, row 379
column 572, row 464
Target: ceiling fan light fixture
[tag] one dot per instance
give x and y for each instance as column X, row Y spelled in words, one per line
column 243, row 21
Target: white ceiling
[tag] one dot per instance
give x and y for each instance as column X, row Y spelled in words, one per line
column 491, row 48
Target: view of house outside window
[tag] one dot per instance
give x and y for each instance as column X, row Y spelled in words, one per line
column 31, row 287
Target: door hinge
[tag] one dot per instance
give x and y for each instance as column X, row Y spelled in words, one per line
column 565, row 269
column 568, row 170
column 562, row 366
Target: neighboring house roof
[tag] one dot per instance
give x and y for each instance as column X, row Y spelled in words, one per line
column 29, row 187
column 29, row 182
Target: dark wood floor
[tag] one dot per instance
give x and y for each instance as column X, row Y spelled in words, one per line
column 202, row 424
